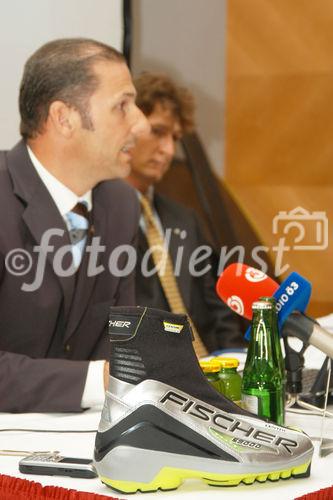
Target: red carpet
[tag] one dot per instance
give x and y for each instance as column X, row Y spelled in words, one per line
column 324, row 494
column 13, row 488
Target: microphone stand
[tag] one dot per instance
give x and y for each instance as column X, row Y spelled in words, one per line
column 294, row 362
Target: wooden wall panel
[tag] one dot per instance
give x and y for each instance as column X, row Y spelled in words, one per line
column 280, row 130
column 279, row 91
column 279, row 123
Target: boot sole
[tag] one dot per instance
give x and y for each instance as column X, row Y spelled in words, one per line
column 171, row 478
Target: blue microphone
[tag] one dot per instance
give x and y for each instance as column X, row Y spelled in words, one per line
column 292, row 295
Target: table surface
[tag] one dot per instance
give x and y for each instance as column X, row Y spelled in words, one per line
column 82, row 445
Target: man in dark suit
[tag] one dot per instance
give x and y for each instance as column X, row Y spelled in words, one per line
column 58, row 279
column 169, row 109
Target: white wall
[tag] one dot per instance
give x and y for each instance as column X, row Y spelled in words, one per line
column 186, row 39
column 27, row 24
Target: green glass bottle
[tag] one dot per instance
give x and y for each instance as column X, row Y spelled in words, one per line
column 263, row 382
column 276, row 337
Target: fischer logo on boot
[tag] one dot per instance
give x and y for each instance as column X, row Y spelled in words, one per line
column 228, row 422
column 120, row 324
column 122, row 327
column 172, row 327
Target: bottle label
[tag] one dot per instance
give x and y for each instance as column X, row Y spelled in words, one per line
column 250, row 403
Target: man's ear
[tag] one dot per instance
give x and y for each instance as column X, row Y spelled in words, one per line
column 63, row 118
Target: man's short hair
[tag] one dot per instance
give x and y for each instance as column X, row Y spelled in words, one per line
column 61, row 70
column 157, row 88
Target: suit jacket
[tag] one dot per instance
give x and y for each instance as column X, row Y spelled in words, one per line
column 217, row 326
column 47, row 335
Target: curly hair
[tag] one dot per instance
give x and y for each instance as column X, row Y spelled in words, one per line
column 158, row 88
column 61, row 70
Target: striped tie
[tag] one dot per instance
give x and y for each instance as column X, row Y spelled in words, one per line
column 163, row 264
column 78, row 225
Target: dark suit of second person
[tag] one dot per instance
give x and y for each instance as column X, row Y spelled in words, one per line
column 216, row 324
column 169, row 109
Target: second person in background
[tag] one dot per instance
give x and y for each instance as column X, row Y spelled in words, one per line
column 169, row 109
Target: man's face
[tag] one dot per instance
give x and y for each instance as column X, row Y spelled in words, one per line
column 117, row 122
column 155, row 149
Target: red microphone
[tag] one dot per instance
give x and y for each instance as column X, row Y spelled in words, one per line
column 240, row 285
column 233, row 287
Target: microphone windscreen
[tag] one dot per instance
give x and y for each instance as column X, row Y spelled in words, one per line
column 240, row 285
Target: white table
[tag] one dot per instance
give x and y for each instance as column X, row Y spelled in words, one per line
column 81, row 445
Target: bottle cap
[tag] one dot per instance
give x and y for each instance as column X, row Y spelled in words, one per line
column 210, row 366
column 259, row 306
column 227, row 362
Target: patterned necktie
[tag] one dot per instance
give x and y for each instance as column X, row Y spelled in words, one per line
column 163, row 264
column 78, row 222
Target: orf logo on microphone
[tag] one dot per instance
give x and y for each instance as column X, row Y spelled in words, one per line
column 254, row 275
column 236, row 304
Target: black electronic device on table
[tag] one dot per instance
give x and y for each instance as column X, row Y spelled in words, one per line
column 55, row 465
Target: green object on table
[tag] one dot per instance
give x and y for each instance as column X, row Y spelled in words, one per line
column 211, row 370
column 263, row 381
column 230, row 379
